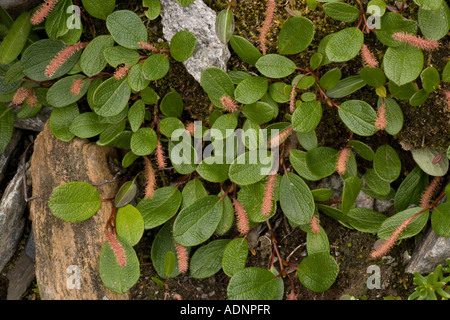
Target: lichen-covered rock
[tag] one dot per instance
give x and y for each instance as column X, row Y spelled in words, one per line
column 199, row 19
column 67, row 254
column 16, row 7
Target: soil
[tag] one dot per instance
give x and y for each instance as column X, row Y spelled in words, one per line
column 350, row 248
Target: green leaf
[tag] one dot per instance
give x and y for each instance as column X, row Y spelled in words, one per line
column 404, row 92
column 185, row 3
column 258, row 112
column 375, row 183
column 373, row 76
column 169, row 263
column 119, row 55
column 14, row 42
column 365, row 220
column 144, row 141
column 387, row 163
column 394, row 116
column 162, row 207
column 359, row 117
column 308, row 140
column 318, row 271
column 192, row 191
column 410, row 190
column 298, row 160
column 250, row 167
column 403, row 64
column 252, row 284
column 224, row 126
column 225, row 25
column 99, row 9
column 235, row 256
column 251, row 89
column 116, row 278
column 136, row 79
column 341, row 11
column 344, row 45
column 307, row 116
column 429, row 4
column 197, row 222
column 129, row 224
column 440, row 220
column 56, row 22
column 6, row 126
column 430, row 79
column 321, row 161
column 434, row 25
column 322, row 194
column 362, row 149
column 207, row 260
column 446, row 73
column 126, row 194
column 226, row 222
column 74, row 201
column 111, row 97
column 127, row 28
column 414, row 227
column 346, row 87
column 113, row 130
column 352, row 187
column 251, row 198
column 419, row 98
column 60, row 121
column 296, row 199
column 295, row 35
column 315, row 60
column 317, row 242
column 212, row 171
column 172, row 105
column 182, row 45
column 154, row 8
column 60, row 94
column 182, row 154
column 393, row 22
column 245, row 49
column 156, row 67
column 168, row 125
column 216, row 84
column 275, row 66
column 92, row 60
column 162, row 244
column 87, row 125
column 424, row 159
column 38, row 56
column 330, row 79
column 136, row 115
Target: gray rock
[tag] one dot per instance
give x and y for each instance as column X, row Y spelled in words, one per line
column 12, row 221
column 8, row 154
column 333, row 182
column 199, row 19
column 430, row 252
column 16, row 7
column 36, row 123
column 383, row 205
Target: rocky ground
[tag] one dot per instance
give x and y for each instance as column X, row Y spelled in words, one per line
column 349, row 247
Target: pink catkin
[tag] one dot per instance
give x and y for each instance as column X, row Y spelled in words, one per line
column 367, row 57
column 447, row 96
column 151, row 180
column 183, row 258
column 117, row 248
column 147, row 46
column 121, row 72
column 77, row 85
column 20, row 96
column 266, row 25
column 315, row 227
column 268, row 195
column 43, row 12
column 190, row 127
column 389, row 243
column 32, row 99
column 381, row 121
column 342, row 159
column 429, row 192
column 228, row 104
column 418, row 42
column 160, row 159
column 242, row 222
column 64, row 55
column 275, row 141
